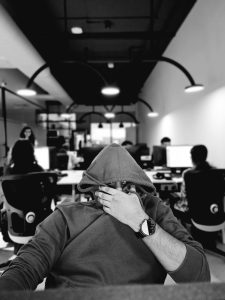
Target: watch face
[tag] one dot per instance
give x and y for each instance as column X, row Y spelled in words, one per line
column 147, row 228
column 144, row 228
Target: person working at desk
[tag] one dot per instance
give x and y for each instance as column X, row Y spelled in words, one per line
column 203, row 191
column 165, row 141
column 198, row 156
column 125, row 235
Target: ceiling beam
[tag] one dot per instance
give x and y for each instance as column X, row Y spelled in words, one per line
column 137, row 35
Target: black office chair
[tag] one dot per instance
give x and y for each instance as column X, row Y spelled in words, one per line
column 205, row 195
column 28, row 199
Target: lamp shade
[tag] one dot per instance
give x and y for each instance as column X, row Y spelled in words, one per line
column 109, row 115
column 110, row 90
column 152, row 114
column 26, row 92
column 194, row 88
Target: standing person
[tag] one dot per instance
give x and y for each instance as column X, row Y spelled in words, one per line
column 22, row 159
column 125, row 235
column 27, row 134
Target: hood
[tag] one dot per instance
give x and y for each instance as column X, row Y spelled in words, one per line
column 114, row 163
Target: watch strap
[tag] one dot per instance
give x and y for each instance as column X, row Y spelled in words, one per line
column 151, row 228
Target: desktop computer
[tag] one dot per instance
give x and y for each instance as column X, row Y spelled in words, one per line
column 159, row 156
column 178, row 158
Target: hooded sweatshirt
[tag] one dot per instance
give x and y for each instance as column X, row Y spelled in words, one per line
column 79, row 245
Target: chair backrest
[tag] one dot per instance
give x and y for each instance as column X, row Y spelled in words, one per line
column 205, row 194
column 28, row 200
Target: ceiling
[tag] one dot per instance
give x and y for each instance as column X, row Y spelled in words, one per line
column 129, row 33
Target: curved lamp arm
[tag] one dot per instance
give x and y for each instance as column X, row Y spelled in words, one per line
column 128, row 114
column 91, row 113
column 179, row 66
column 38, row 71
column 47, row 65
column 71, row 106
column 146, row 103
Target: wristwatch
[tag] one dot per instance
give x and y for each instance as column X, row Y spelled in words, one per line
column 147, row 227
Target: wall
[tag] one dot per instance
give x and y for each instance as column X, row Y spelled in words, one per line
column 191, row 118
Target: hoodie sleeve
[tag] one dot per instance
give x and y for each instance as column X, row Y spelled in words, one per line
column 195, row 266
column 36, row 258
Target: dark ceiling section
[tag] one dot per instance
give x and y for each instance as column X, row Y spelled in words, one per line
column 127, row 32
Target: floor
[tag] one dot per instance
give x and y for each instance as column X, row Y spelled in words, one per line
column 216, row 262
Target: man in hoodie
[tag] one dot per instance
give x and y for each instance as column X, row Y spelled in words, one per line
column 105, row 241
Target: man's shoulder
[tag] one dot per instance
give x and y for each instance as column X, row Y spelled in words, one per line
column 188, row 171
column 79, row 215
column 78, row 209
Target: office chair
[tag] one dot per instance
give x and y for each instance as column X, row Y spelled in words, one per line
column 28, row 200
column 205, row 195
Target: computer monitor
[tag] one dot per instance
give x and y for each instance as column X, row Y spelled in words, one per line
column 42, row 155
column 178, row 156
column 138, row 152
column 88, row 154
column 159, row 156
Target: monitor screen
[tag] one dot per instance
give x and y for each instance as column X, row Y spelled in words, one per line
column 88, row 154
column 42, row 156
column 178, row 156
column 159, row 155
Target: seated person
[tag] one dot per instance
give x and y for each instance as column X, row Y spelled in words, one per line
column 125, row 235
column 127, row 144
column 207, row 195
column 62, row 156
column 165, row 141
column 198, row 156
column 23, row 160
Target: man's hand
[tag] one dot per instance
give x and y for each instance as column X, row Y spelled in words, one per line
column 124, row 207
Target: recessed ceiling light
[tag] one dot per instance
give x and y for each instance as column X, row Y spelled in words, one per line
column 110, row 65
column 76, row 30
column 153, row 114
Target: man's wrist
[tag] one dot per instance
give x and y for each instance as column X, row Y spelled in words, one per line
column 137, row 221
column 147, row 228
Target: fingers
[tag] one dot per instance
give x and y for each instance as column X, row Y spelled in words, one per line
column 103, row 196
column 108, row 190
column 104, row 199
column 106, row 209
column 118, row 186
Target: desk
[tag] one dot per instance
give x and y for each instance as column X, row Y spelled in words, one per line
column 172, row 184
column 185, row 291
column 73, row 177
